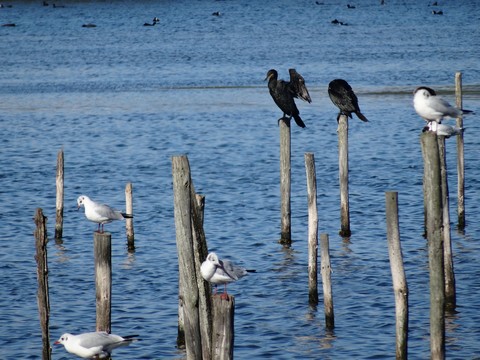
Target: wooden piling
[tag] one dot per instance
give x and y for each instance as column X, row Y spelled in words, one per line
column 102, row 251
column 460, row 156
column 327, row 282
column 312, row 229
column 60, row 197
column 433, row 198
column 223, row 328
column 399, row 280
column 129, row 221
column 285, row 181
column 343, row 175
column 42, row 277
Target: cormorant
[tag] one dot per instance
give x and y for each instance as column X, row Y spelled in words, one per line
column 283, row 93
column 344, row 98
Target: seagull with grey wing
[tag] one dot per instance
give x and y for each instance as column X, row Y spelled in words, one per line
column 100, row 213
column 443, row 129
column 217, row 271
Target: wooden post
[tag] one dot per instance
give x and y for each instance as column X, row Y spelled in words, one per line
column 59, row 203
column 223, row 328
column 285, row 181
column 433, row 197
column 343, row 175
column 312, row 229
column 399, row 280
column 184, row 237
column 102, row 251
column 42, row 277
column 327, row 283
column 460, row 156
column 129, row 221
column 450, row 293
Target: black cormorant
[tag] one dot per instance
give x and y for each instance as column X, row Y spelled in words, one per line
column 283, row 93
column 344, row 98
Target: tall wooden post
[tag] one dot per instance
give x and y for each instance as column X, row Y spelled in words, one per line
column 129, row 221
column 433, row 197
column 327, row 282
column 460, row 156
column 285, row 181
column 312, row 229
column 343, row 175
column 60, row 197
column 223, row 328
column 42, row 276
column 400, row 287
column 102, row 251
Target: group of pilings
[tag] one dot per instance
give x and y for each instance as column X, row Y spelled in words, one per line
column 102, row 248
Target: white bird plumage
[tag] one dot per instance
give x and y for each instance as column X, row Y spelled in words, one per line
column 100, row 213
column 443, row 129
column 88, row 345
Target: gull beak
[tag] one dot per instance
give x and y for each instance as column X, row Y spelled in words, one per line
column 56, row 342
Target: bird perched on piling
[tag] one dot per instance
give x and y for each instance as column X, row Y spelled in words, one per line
column 218, row 271
column 443, row 129
column 100, row 213
column 344, row 98
column 432, row 107
column 283, row 93
column 88, row 345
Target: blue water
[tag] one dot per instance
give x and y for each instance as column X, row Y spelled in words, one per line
column 121, row 99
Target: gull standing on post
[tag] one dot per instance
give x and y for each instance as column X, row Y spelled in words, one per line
column 100, row 213
column 342, row 95
column 218, row 271
column 88, row 345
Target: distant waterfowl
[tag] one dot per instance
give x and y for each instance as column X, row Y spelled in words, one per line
column 283, row 93
column 216, row 13
column 58, row 6
column 350, row 6
column 344, row 98
column 45, row 3
column 337, row 22
column 154, row 22
column 439, row 12
column 443, row 129
column 89, row 25
column 9, row 25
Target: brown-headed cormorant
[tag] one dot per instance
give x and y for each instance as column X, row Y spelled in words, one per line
column 344, row 98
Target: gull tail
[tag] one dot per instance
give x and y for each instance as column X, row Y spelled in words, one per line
column 465, row 112
column 251, row 271
column 361, row 116
column 128, row 216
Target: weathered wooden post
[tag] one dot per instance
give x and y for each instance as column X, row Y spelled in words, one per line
column 285, row 181
column 433, row 197
column 399, row 280
column 42, row 277
column 223, row 328
column 312, row 229
column 327, row 282
column 60, row 197
column 460, row 155
column 102, row 251
column 343, row 175
column 129, row 221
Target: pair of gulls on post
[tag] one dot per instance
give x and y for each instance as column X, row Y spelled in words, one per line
column 283, row 94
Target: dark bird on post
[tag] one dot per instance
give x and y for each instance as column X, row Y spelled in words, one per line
column 283, row 93
column 344, row 98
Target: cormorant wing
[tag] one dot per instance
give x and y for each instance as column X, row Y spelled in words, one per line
column 298, row 87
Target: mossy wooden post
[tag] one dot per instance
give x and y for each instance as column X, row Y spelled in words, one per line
column 343, row 175
column 285, row 181
column 223, row 312
column 450, row 292
column 327, row 282
column 399, row 279
column 460, row 156
column 433, row 197
column 42, row 277
column 129, row 221
column 184, row 238
column 312, row 229
column 102, row 251
column 60, row 197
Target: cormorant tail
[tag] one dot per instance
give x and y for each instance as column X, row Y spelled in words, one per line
column 361, row 116
column 299, row 121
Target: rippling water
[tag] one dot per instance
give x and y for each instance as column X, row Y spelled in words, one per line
column 121, row 99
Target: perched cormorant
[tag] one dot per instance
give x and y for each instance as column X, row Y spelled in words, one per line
column 283, row 93
column 344, row 98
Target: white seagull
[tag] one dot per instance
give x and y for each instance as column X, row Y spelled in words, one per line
column 88, row 345
column 100, row 213
column 432, row 107
column 443, row 129
column 218, row 271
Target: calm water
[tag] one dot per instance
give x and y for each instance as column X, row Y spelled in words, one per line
column 122, row 99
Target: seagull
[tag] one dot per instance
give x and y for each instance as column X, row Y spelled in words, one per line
column 443, row 130
column 283, row 93
column 218, row 271
column 344, row 98
column 432, row 107
column 100, row 213
column 88, row 345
